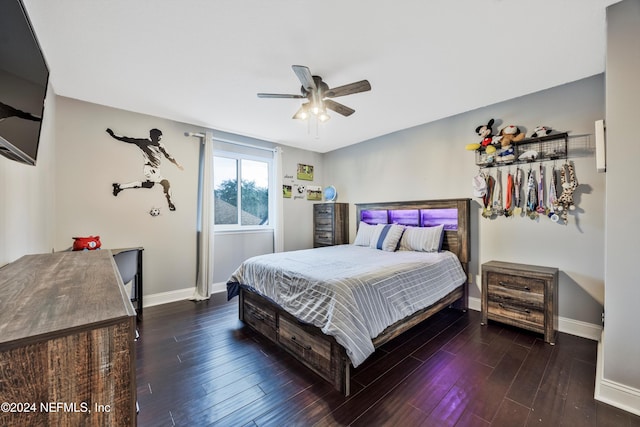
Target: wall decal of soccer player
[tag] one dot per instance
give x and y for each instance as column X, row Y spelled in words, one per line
column 7, row 111
column 152, row 152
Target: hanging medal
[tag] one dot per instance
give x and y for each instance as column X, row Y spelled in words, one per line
column 532, row 197
column 553, row 195
column 498, row 209
column 517, row 210
column 508, row 210
column 541, row 209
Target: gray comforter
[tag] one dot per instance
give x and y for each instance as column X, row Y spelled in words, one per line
column 351, row 292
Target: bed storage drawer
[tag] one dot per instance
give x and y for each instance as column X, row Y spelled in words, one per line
column 261, row 318
column 314, row 349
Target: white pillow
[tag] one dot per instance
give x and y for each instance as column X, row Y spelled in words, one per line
column 422, row 239
column 386, row 237
column 365, row 231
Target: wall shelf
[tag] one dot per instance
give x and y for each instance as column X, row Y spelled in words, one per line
column 549, row 147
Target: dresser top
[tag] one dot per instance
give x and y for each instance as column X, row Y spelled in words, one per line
column 50, row 294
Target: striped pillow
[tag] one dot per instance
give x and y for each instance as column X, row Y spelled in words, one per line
column 422, row 239
column 386, row 237
column 365, row 231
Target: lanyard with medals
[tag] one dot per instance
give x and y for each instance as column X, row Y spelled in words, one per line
column 553, row 196
column 498, row 209
column 508, row 211
column 532, row 197
column 517, row 210
column 541, row 209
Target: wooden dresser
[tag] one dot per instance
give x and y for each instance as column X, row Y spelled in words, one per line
column 521, row 295
column 67, row 331
column 330, row 224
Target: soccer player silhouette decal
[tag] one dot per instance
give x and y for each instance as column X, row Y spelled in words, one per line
column 152, row 152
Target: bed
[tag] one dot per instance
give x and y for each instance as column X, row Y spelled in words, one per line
column 331, row 307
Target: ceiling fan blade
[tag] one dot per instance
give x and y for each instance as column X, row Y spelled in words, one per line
column 305, row 77
column 338, row 108
column 279, row 95
column 361, row 86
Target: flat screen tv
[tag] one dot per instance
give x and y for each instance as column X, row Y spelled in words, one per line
column 23, row 84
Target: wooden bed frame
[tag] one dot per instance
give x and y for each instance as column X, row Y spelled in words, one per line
column 320, row 352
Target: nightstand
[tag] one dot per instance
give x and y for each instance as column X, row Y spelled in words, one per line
column 521, row 295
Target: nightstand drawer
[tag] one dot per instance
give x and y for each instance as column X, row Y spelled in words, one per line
column 520, row 285
column 314, row 349
column 501, row 310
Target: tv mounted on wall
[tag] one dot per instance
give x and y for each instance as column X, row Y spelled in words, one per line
column 23, row 84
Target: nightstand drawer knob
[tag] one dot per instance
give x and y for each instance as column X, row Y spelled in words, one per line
column 512, row 308
column 516, row 287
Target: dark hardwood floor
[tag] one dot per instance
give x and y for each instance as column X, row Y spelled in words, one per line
column 198, row 365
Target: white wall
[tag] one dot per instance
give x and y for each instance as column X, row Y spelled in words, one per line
column 87, row 164
column 619, row 380
column 430, row 162
column 27, row 214
column 89, row 161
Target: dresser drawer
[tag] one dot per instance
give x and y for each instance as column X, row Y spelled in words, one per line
column 263, row 319
column 314, row 349
column 324, row 210
column 323, row 238
column 323, row 223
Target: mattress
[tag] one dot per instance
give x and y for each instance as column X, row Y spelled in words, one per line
column 350, row 292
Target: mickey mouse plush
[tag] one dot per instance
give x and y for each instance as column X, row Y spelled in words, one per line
column 486, row 133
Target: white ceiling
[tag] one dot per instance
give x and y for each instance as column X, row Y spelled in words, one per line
column 203, row 61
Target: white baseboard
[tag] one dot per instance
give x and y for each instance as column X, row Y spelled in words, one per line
column 568, row 326
column 178, row 295
column 475, row 304
column 613, row 393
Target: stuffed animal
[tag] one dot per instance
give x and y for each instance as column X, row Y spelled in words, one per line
column 486, row 133
column 509, row 135
column 540, row 131
column 86, row 243
column 565, row 202
column 488, row 139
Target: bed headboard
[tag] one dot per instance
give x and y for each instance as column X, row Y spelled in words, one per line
column 453, row 213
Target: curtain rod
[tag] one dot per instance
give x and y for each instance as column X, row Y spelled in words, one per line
column 244, row 144
column 228, row 141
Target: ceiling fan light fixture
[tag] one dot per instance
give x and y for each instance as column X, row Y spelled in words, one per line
column 323, row 116
column 303, row 112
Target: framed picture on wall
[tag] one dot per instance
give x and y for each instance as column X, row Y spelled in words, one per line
column 286, row 191
column 314, row 192
column 305, row 172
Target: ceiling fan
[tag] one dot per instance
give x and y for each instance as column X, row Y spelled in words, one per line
column 318, row 95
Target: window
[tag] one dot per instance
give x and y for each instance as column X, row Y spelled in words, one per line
column 243, row 205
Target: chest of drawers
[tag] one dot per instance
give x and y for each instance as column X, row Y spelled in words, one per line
column 330, row 224
column 521, row 295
